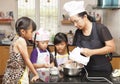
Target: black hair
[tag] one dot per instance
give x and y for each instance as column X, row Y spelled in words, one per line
column 90, row 18
column 60, row 37
column 24, row 23
column 34, row 45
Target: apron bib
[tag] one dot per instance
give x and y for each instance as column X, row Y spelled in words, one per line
column 24, row 79
column 93, row 42
column 43, row 58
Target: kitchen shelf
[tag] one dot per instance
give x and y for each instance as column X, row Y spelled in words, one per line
column 6, row 21
column 106, row 7
column 66, row 22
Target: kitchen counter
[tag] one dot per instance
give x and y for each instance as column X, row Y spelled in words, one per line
column 4, row 50
column 82, row 79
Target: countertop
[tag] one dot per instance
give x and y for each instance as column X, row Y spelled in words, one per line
column 82, row 79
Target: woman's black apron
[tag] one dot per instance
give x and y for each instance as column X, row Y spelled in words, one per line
column 97, row 62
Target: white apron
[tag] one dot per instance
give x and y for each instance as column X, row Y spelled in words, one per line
column 43, row 58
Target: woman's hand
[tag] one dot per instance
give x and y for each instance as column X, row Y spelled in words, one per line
column 86, row 52
column 35, row 78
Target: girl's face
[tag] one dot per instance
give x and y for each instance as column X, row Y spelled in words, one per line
column 27, row 34
column 61, row 47
column 78, row 22
column 43, row 44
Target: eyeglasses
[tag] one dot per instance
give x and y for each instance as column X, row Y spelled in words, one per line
column 76, row 21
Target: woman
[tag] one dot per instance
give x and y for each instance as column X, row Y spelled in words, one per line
column 94, row 38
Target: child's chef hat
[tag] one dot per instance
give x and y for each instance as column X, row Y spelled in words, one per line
column 74, row 7
column 42, row 35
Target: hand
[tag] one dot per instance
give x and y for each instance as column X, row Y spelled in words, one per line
column 47, row 65
column 69, row 61
column 86, row 52
column 51, row 65
column 35, row 78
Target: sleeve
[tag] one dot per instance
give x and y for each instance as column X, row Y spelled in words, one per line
column 105, row 34
column 34, row 55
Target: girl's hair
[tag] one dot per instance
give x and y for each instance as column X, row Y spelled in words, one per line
column 90, row 18
column 24, row 23
column 34, row 45
column 60, row 37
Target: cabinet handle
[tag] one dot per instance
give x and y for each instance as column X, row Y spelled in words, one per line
column 7, row 47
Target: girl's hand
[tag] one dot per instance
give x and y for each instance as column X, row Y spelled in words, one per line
column 47, row 65
column 51, row 65
column 69, row 61
column 35, row 78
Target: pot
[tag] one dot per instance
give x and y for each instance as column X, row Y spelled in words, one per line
column 72, row 69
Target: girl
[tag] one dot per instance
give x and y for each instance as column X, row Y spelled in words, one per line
column 16, row 70
column 61, row 49
column 40, row 56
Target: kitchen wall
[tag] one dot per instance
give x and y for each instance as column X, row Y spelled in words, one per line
column 88, row 6
column 111, row 18
column 5, row 6
column 112, row 21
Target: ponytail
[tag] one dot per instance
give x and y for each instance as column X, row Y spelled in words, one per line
column 90, row 18
column 34, row 45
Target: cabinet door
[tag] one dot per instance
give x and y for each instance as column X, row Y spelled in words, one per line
column 4, row 55
column 115, row 62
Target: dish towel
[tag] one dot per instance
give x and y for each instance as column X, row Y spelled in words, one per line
column 76, row 56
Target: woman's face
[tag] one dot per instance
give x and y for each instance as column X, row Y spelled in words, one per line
column 43, row 44
column 61, row 47
column 78, row 22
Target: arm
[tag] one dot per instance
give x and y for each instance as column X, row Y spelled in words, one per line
column 34, row 55
column 41, row 65
column 22, row 47
column 108, row 48
column 106, row 38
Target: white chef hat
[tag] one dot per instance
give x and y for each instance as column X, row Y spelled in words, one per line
column 42, row 35
column 74, row 7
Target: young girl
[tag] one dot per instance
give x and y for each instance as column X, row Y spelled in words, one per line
column 40, row 56
column 16, row 70
column 61, row 49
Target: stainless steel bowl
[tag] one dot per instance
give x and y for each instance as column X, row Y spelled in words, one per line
column 72, row 69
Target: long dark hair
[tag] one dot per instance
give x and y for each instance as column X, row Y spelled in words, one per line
column 60, row 37
column 90, row 18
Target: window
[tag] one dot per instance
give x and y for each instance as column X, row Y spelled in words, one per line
column 43, row 12
column 26, row 8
